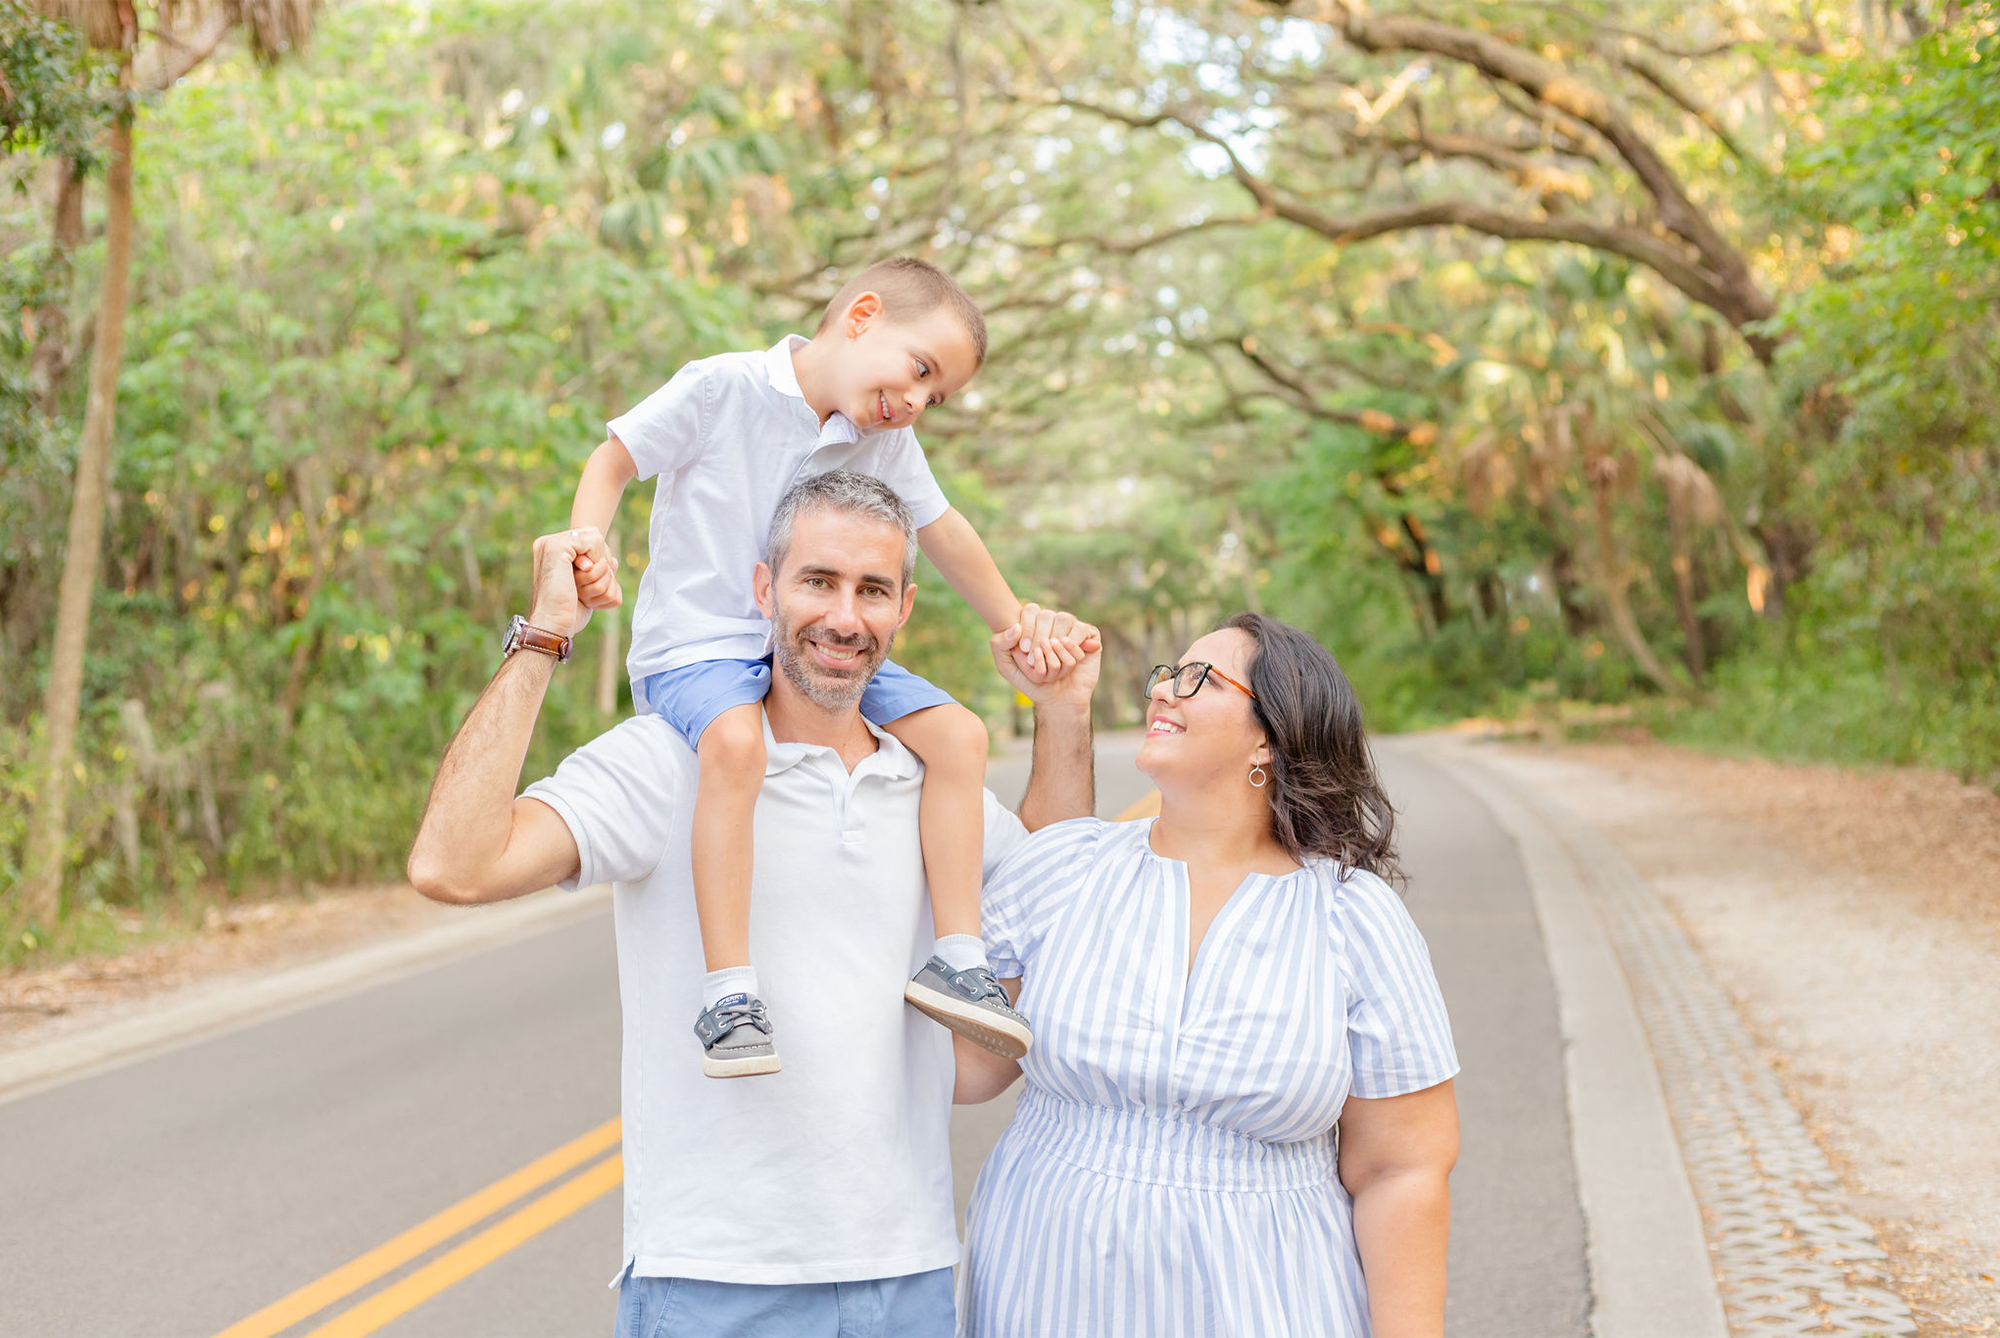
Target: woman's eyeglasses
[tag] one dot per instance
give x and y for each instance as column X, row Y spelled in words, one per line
column 1188, row 678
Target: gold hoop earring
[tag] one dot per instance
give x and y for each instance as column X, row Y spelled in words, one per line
column 1258, row 778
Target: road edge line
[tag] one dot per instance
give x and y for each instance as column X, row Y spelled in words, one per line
column 1649, row 1271
column 225, row 1008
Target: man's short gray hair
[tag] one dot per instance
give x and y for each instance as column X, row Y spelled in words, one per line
column 844, row 491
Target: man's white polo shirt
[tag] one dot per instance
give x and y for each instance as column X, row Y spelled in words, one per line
column 838, row 1168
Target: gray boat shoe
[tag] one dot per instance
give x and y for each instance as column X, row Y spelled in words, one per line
column 736, row 1038
column 972, row 1004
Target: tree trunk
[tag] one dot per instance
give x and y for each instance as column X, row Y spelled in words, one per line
column 1577, row 617
column 41, row 885
column 1682, row 561
column 1408, row 547
column 1491, row 599
column 1428, row 570
column 51, row 360
column 1613, row 581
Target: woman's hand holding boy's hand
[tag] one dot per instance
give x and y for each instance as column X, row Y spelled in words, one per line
column 596, row 571
column 1044, row 647
column 1049, row 643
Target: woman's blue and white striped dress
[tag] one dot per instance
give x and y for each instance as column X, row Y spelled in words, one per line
column 1170, row 1167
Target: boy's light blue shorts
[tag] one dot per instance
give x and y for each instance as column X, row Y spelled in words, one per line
column 691, row 697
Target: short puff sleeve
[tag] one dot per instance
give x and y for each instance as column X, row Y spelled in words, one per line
column 1399, row 1037
column 1025, row 894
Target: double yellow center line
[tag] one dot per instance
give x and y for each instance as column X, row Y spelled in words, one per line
column 461, row 1261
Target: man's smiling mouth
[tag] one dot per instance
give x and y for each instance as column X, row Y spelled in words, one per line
column 836, row 657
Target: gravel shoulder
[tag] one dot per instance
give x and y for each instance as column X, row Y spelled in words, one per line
column 1854, row 918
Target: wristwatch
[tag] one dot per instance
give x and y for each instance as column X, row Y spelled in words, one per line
column 521, row 636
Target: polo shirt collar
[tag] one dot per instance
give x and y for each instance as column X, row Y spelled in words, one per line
column 838, row 428
column 890, row 758
column 778, row 366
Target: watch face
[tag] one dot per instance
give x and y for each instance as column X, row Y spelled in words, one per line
column 513, row 632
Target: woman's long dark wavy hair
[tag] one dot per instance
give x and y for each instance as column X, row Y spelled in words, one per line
column 1326, row 799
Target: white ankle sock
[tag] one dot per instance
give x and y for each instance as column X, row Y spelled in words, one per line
column 719, row 985
column 961, row 952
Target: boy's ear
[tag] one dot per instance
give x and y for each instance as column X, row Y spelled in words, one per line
column 760, row 590
column 862, row 312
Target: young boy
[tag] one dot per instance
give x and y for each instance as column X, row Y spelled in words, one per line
column 727, row 436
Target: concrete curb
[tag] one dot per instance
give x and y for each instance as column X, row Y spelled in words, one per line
column 1650, row 1275
column 206, row 1012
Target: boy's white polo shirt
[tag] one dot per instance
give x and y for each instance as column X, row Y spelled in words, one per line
column 838, row 1168
column 727, row 437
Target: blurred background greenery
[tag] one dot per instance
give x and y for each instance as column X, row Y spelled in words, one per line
column 1527, row 352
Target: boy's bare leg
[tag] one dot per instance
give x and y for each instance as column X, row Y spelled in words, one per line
column 732, row 775
column 735, row 1032
column 951, row 817
column 956, row 987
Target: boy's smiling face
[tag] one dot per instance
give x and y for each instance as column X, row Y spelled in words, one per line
column 888, row 371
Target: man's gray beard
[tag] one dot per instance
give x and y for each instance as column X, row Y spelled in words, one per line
column 829, row 693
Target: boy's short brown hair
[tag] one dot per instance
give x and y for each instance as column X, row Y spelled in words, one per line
column 910, row 288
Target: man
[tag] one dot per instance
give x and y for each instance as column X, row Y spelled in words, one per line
column 819, row 1200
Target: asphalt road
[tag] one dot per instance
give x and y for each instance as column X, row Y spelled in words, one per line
column 181, row 1194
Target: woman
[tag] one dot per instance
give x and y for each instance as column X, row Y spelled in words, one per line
column 1222, row 997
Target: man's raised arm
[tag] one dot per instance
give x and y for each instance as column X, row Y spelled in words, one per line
column 1062, row 780
column 477, row 841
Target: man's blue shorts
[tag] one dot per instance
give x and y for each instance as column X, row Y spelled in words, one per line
column 917, row 1305
column 691, row 697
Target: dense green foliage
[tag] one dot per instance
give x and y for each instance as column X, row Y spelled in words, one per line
column 52, row 93
column 1890, row 373
column 387, row 295
column 53, row 100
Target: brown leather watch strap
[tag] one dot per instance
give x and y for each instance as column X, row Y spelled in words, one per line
column 523, row 635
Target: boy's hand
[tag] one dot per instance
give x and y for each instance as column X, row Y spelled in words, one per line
column 1047, row 644
column 1072, row 673
column 596, row 571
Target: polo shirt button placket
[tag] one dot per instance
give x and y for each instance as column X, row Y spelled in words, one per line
column 852, row 833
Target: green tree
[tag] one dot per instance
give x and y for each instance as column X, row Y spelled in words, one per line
column 154, row 67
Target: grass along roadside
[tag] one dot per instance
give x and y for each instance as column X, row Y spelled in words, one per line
column 128, row 958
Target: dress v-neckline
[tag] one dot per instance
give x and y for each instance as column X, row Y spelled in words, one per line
column 1193, row 954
